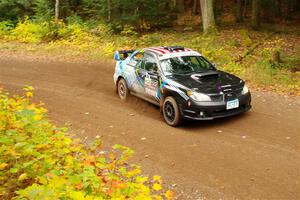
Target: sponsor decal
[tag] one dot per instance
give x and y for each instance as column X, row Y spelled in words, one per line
column 151, row 86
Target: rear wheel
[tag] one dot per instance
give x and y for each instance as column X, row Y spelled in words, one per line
column 123, row 90
column 171, row 111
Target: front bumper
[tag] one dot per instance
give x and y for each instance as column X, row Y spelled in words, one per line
column 214, row 110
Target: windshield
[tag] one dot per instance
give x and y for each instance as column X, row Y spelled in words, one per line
column 185, row 65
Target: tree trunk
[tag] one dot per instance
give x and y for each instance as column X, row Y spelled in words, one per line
column 195, row 7
column 291, row 5
column 208, row 18
column 239, row 11
column 245, row 7
column 109, row 10
column 255, row 14
column 56, row 11
column 278, row 5
column 221, row 5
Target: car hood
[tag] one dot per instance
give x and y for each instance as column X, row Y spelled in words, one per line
column 210, row 82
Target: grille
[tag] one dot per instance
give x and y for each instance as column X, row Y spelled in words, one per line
column 216, row 97
column 230, row 96
column 224, row 112
column 232, row 89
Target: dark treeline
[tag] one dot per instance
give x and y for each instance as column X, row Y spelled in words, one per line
column 148, row 14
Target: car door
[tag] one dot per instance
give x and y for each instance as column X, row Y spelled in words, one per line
column 134, row 79
column 150, row 74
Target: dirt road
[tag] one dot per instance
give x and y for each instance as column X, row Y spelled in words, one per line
column 252, row 156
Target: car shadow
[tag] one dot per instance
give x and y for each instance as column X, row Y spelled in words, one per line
column 152, row 111
column 205, row 124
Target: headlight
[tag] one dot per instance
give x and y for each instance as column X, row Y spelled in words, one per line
column 245, row 89
column 198, row 96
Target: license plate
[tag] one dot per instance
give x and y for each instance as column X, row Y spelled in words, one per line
column 232, row 104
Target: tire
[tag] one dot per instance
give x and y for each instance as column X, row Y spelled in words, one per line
column 123, row 90
column 171, row 112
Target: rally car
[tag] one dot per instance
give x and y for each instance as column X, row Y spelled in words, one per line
column 183, row 83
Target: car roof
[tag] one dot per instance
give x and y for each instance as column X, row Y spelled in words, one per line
column 173, row 51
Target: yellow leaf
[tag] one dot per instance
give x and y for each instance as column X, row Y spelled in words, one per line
column 77, row 195
column 29, row 94
column 133, row 172
column 170, row 194
column 112, row 156
column 3, row 166
column 23, row 177
column 157, row 197
column 28, row 88
column 141, row 179
column 37, row 117
column 156, row 187
column 67, row 141
column 157, row 178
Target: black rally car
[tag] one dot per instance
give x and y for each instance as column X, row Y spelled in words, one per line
column 182, row 82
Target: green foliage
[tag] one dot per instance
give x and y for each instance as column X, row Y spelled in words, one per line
column 151, row 40
column 128, row 30
column 44, row 10
column 5, row 28
column 246, row 40
column 12, row 10
column 27, row 31
column 103, row 29
column 94, row 9
column 140, row 14
column 73, row 32
column 39, row 160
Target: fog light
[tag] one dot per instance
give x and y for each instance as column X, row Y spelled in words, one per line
column 189, row 103
column 201, row 113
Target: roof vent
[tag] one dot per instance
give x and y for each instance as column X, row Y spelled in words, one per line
column 174, row 48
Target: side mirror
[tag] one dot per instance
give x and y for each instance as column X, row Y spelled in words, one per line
column 117, row 56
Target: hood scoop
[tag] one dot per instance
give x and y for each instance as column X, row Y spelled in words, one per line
column 209, row 74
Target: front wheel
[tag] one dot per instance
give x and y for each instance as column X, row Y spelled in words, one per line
column 123, row 90
column 171, row 111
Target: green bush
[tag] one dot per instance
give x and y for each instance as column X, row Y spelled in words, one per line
column 151, row 40
column 129, row 30
column 40, row 161
column 29, row 32
column 5, row 27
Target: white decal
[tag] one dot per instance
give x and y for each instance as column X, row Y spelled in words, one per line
column 179, row 54
column 151, row 86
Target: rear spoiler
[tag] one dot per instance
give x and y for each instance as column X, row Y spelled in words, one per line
column 123, row 54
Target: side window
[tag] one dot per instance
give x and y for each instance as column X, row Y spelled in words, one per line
column 204, row 64
column 150, row 63
column 137, row 59
column 194, row 60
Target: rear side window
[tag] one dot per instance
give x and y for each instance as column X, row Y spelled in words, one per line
column 137, row 59
column 150, row 63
